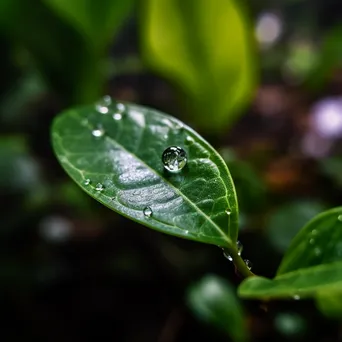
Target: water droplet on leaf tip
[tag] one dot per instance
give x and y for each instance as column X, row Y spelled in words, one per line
column 239, row 247
column 248, row 264
column 98, row 132
column 339, row 218
column 117, row 116
column 228, row 211
column 174, row 159
column 99, row 187
column 147, row 212
column 87, row 181
column 120, row 107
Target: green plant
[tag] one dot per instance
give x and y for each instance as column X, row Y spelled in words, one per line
column 153, row 169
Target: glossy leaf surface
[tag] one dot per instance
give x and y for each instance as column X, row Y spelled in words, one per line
column 213, row 300
column 298, row 284
column 116, row 158
column 319, row 242
column 206, row 49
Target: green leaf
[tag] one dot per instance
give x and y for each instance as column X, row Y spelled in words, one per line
column 97, row 21
column 330, row 303
column 286, row 221
column 319, row 242
column 206, row 49
column 302, row 283
column 126, row 173
column 213, row 300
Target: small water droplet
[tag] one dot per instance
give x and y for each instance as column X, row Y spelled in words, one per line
column 84, row 122
column 312, row 241
column 178, row 126
column 227, row 255
column 147, row 212
column 189, row 140
column 87, row 181
column 98, row 132
column 102, row 105
column 120, row 107
column 117, row 116
column 339, row 218
column 174, row 158
column 239, row 247
column 166, row 137
column 99, row 187
column 228, row 211
column 248, row 264
column 296, row 297
column 314, row 232
column 186, row 232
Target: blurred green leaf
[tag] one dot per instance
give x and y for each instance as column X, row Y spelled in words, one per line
column 213, row 300
column 206, row 49
column 98, row 22
column 303, row 283
column 285, row 222
column 319, row 242
column 114, row 154
column 330, row 303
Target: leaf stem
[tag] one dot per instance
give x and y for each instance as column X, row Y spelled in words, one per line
column 239, row 263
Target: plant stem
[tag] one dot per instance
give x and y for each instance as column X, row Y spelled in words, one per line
column 239, row 263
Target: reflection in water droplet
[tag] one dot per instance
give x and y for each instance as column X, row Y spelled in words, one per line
column 339, row 218
column 102, row 105
column 296, row 297
column 174, row 159
column 117, row 116
column 99, row 187
column 147, row 211
column 98, row 132
column 87, row 181
column 239, row 247
column 120, row 107
column 189, row 140
column 228, row 211
column 248, row 264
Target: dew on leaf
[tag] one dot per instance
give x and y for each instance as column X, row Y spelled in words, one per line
column 228, row 211
column 98, row 132
column 117, row 116
column 174, row 159
column 248, row 264
column 189, row 140
column 99, row 187
column 87, row 181
column 102, row 105
column 239, row 247
column 120, row 107
column 147, row 212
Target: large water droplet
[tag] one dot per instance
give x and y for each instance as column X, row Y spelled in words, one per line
column 147, row 211
column 98, row 132
column 117, row 116
column 99, row 187
column 174, row 158
column 239, row 247
column 87, row 181
column 102, row 105
column 339, row 218
column 248, row 264
column 228, row 211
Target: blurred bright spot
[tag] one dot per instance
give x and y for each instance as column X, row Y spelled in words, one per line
column 290, row 324
column 55, row 228
column 268, row 29
column 327, row 117
column 315, row 146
